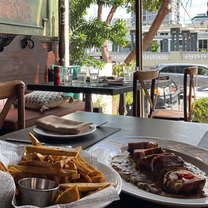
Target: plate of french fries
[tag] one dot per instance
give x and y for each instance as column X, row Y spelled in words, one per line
column 79, row 178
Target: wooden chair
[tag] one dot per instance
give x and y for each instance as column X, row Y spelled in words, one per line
column 10, row 91
column 186, row 115
column 152, row 75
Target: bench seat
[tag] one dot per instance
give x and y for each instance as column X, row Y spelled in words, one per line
column 11, row 121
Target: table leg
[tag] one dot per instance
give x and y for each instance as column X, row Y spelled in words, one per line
column 88, row 102
column 122, row 108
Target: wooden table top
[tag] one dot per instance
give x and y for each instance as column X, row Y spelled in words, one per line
column 185, row 132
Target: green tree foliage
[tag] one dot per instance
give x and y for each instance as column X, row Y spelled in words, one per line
column 201, row 110
column 149, row 5
column 154, row 46
column 84, row 34
column 118, row 71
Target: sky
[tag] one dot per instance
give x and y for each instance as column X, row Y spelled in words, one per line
column 196, row 7
column 193, row 8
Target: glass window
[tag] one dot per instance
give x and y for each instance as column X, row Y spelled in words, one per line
column 180, row 69
column 205, row 44
column 200, row 45
column 170, row 69
column 202, row 70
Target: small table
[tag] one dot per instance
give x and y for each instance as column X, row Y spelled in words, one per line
column 87, row 90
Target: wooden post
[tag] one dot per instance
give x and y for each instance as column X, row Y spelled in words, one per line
column 139, row 48
column 62, row 33
column 21, row 105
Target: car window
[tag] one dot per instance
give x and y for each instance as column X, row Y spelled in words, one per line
column 202, row 70
column 170, row 69
column 180, row 69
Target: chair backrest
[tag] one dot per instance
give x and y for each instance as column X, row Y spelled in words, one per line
column 142, row 76
column 188, row 112
column 10, row 91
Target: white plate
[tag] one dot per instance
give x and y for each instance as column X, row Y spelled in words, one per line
column 197, row 156
column 111, row 176
column 48, row 133
column 109, row 173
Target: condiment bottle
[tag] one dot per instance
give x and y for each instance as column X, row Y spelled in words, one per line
column 57, row 72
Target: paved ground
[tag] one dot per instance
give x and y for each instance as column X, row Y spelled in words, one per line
column 179, row 105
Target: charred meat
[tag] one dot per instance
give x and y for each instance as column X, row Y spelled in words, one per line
column 166, row 162
column 140, row 153
column 183, row 182
column 165, row 168
column 141, row 145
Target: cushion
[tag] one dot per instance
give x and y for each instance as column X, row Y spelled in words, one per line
column 44, row 100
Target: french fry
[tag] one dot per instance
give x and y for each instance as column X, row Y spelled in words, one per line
column 70, row 165
column 86, row 177
column 38, row 156
column 98, row 178
column 17, row 172
column 36, row 163
column 78, row 149
column 85, row 187
column 74, row 177
column 2, row 167
column 34, row 140
column 56, row 157
column 49, row 151
column 43, row 171
column 50, row 159
column 93, row 171
column 100, row 189
column 65, row 180
column 81, row 167
column 68, row 196
column 27, row 157
column 63, row 162
column 59, row 191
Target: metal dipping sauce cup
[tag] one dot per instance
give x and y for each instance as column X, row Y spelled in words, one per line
column 37, row 191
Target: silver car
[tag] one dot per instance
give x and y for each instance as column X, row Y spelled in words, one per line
column 176, row 72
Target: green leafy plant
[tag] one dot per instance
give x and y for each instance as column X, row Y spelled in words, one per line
column 118, row 70
column 201, row 110
column 99, row 102
column 154, row 46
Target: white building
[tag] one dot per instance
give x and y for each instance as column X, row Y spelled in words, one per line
column 174, row 16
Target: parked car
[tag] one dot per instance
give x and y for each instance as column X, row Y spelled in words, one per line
column 176, row 71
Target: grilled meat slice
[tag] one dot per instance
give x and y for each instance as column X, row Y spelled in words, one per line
column 140, row 145
column 183, row 182
column 140, row 153
column 146, row 161
column 166, row 162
